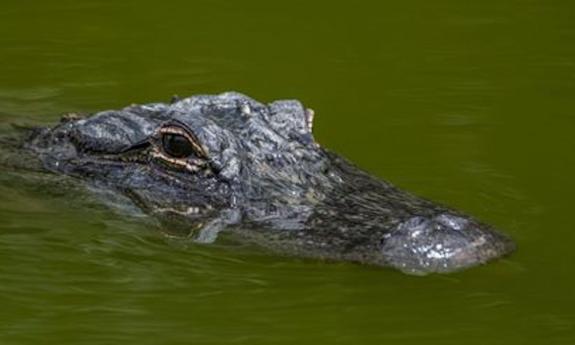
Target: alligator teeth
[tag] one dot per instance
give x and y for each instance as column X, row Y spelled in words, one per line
column 193, row 210
column 190, row 211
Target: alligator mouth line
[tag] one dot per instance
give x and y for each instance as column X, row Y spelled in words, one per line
column 190, row 211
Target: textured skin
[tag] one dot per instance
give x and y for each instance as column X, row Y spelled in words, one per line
column 263, row 179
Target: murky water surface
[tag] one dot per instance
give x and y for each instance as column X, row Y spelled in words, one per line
column 468, row 103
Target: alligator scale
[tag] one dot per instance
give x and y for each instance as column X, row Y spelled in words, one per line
column 228, row 164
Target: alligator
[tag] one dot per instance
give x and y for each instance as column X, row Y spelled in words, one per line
column 227, row 164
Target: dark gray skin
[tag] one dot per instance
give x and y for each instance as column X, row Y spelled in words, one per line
column 228, row 163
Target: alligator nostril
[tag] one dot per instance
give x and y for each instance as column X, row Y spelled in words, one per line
column 453, row 222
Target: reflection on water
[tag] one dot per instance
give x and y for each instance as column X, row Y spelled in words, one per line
column 469, row 104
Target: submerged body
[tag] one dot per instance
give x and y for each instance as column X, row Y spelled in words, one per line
column 229, row 163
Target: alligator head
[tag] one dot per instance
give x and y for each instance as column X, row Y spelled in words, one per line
column 227, row 162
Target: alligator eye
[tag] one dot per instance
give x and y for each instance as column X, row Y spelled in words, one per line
column 177, row 146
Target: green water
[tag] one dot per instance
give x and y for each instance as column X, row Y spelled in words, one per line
column 471, row 103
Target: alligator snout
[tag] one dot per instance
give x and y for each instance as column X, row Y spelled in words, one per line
column 443, row 243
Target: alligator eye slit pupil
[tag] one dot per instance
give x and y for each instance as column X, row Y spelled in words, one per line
column 177, row 146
